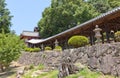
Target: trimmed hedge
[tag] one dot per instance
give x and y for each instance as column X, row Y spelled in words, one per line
column 117, row 36
column 78, row 41
column 32, row 49
column 48, row 48
column 58, row 48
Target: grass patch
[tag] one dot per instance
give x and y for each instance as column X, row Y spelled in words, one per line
column 40, row 67
column 86, row 73
column 51, row 74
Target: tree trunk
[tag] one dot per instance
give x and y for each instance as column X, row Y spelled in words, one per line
column 2, row 67
column 66, row 68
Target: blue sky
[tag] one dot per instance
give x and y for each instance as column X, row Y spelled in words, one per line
column 26, row 13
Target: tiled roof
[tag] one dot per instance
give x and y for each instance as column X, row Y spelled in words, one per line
column 30, row 33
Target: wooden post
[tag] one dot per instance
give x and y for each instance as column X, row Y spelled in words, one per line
column 67, row 67
column 102, row 37
column 107, row 33
column 1, row 67
column 91, row 38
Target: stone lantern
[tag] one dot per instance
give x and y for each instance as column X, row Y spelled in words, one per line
column 42, row 47
column 56, row 42
column 97, row 33
column 112, row 34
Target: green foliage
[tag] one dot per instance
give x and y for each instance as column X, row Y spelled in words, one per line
column 10, row 47
column 85, row 73
column 32, row 49
column 31, row 66
column 44, row 55
column 64, row 14
column 40, row 67
column 78, row 41
column 117, row 36
column 103, row 6
column 114, row 3
column 58, row 48
column 48, row 48
column 36, row 49
column 5, row 17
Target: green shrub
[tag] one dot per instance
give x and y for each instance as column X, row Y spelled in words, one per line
column 26, row 49
column 58, row 48
column 36, row 49
column 78, row 41
column 48, row 48
column 32, row 49
column 41, row 67
column 31, row 66
column 117, row 36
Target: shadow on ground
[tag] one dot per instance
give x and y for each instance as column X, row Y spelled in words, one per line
column 10, row 71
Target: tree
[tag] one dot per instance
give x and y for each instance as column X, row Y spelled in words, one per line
column 103, row 6
column 5, row 17
column 114, row 3
column 64, row 14
column 10, row 47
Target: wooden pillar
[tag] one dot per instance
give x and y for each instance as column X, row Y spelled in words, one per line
column 91, row 35
column 66, row 43
column 107, row 33
column 116, row 28
column 102, row 37
column 91, row 40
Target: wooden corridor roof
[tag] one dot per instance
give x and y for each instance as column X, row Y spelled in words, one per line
column 87, row 25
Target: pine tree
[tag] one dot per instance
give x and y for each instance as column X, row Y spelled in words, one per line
column 5, row 17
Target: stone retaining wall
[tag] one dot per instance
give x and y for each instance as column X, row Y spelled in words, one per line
column 46, row 58
column 100, row 57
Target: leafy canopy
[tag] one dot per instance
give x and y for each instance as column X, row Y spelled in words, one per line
column 64, row 14
column 103, row 6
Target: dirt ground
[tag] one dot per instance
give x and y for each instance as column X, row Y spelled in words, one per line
column 14, row 67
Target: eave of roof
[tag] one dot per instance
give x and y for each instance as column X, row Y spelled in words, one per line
column 30, row 34
column 83, row 24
